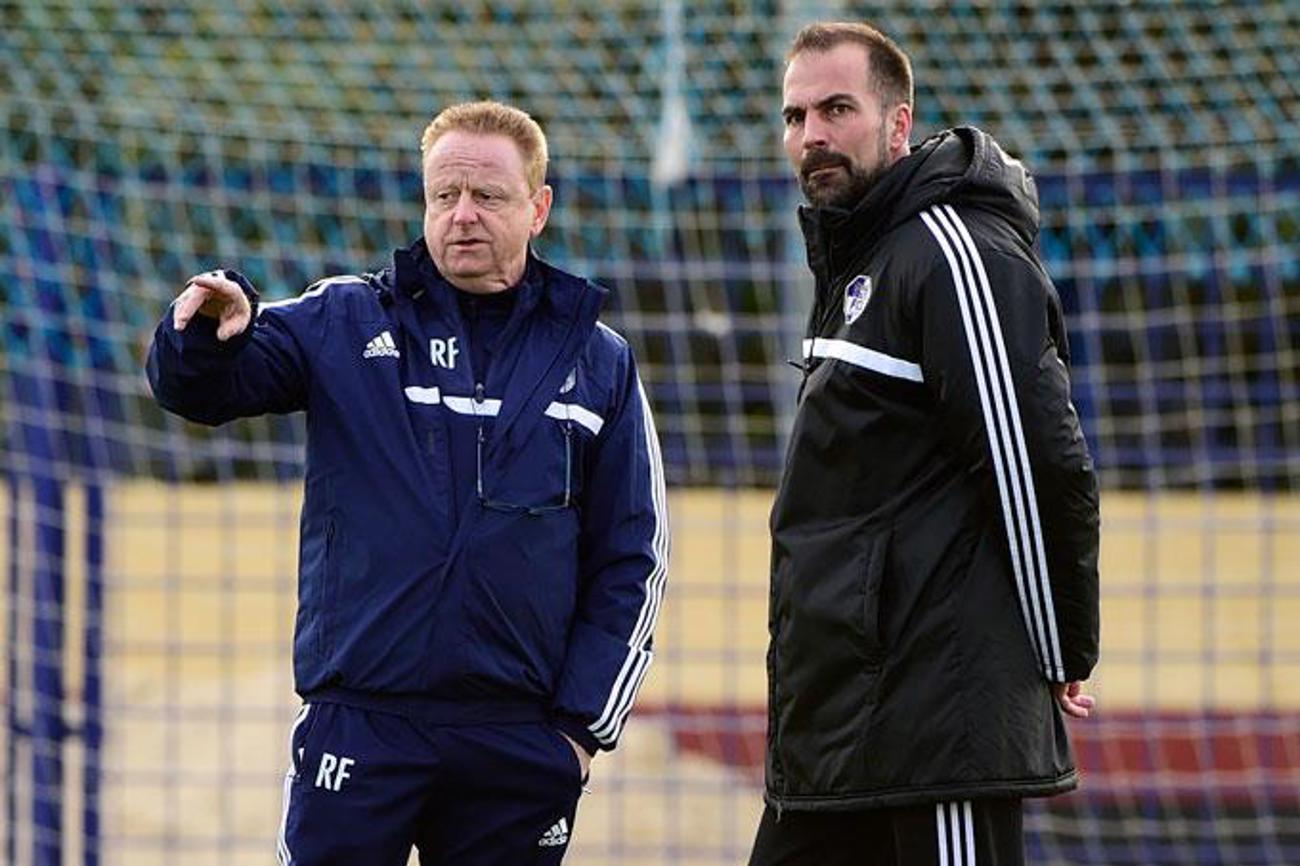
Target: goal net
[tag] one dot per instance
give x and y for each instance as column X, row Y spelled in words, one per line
column 150, row 564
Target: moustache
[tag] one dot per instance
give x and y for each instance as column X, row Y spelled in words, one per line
column 820, row 159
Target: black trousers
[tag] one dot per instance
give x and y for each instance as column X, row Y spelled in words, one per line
column 962, row 833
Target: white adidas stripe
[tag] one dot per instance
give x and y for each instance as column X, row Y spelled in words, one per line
column 622, row 696
column 381, row 345
column 578, row 414
column 420, row 394
column 660, row 542
column 1005, row 434
column 1037, row 554
column 488, row 407
column 281, row 843
column 636, row 664
column 491, row 408
column 1039, row 549
column 955, row 833
column 861, row 356
column 312, row 291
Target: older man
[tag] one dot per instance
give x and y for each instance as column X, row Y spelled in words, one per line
column 483, row 538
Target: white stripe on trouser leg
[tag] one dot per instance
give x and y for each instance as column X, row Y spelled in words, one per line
column 969, row 822
column 282, row 852
column 954, row 831
column 941, row 833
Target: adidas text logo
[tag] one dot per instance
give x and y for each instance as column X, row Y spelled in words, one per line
column 557, row 835
column 381, row 346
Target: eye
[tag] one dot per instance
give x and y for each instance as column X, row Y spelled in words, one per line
column 793, row 118
column 489, row 198
column 839, row 109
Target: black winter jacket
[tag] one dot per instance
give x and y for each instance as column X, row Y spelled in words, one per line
column 935, row 534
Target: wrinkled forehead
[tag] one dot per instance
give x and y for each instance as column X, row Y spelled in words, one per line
column 460, row 155
column 812, row 75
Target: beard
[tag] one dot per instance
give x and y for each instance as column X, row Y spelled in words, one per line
column 841, row 189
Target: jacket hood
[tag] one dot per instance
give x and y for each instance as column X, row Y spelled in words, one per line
column 961, row 166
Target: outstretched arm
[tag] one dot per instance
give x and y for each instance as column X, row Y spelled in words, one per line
column 215, row 357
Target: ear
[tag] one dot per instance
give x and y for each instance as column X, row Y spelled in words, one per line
column 541, row 210
column 900, row 129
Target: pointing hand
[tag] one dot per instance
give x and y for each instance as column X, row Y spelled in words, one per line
column 211, row 294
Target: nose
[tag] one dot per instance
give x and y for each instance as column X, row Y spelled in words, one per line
column 815, row 133
column 464, row 211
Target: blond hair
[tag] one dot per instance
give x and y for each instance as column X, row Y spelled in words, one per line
column 494, row 118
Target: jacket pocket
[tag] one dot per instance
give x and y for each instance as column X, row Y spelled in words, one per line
column 329, row 593
column 544, row 478
column 828, row 656
column 874, row 563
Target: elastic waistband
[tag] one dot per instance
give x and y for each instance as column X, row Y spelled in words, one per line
column 431, row 708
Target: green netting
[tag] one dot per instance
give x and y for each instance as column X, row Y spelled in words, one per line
column 141, row 142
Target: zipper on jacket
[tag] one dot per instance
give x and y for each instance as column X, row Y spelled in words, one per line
column 568, row 462
column 478, row 448
column 329, row 595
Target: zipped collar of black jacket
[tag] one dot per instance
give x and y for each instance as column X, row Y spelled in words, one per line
column 960, row 165
column 928, row 174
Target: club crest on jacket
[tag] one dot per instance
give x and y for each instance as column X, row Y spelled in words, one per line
column 856, row 295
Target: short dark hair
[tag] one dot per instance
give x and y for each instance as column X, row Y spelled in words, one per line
column 890, row 68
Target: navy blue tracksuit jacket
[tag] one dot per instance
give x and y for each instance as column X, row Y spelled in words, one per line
column 531, row 596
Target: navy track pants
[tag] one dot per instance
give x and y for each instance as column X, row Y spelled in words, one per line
column 366, row 786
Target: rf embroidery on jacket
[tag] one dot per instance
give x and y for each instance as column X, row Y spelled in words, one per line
column 856, row 296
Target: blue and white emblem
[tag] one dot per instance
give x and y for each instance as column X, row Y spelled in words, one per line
column 856, row 295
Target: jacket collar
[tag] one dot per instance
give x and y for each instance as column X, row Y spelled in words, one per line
column 959, row 166
column 414, row 274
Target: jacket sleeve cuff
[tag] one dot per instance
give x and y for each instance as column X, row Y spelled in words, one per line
column 577, row 731
column 238, row 341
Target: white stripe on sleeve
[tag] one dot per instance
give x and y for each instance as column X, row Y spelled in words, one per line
column 1006, row 441
column 609, row 725
column 312, row 291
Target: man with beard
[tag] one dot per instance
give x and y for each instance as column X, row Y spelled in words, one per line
column 934, row 603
